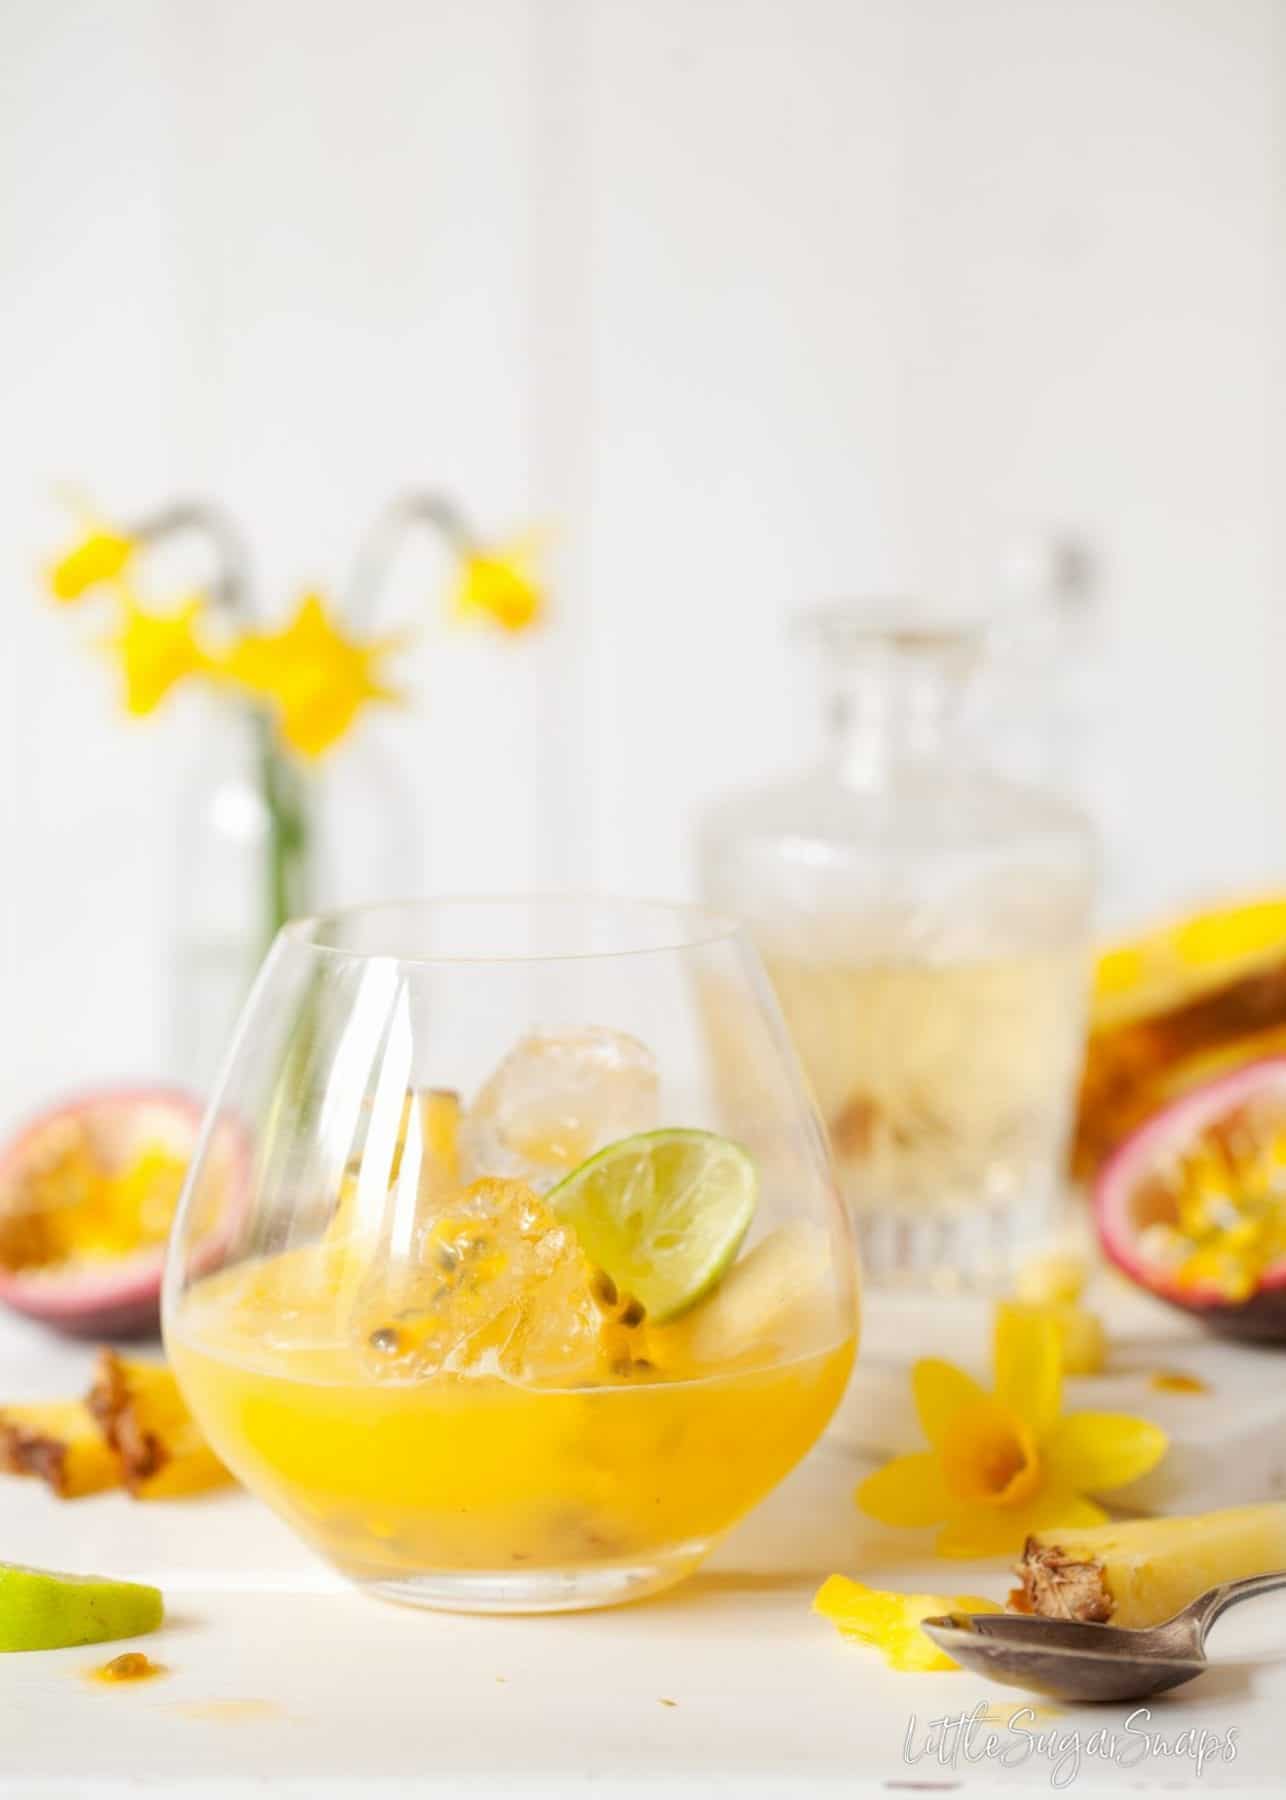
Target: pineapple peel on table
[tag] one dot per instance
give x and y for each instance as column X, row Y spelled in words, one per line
column 61, row 1442
column 133, row 1428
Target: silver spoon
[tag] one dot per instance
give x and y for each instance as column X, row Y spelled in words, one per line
column 1072, row 1661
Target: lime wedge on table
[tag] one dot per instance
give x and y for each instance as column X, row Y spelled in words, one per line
column 41, row 1610
column 664, row 1213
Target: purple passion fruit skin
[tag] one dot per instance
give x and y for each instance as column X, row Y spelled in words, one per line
column 1192, row 1207
column 81, row 1250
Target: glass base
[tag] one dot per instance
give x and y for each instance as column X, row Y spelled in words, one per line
column 540, row 1590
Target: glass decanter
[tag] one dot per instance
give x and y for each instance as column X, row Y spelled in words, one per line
column 926, row 925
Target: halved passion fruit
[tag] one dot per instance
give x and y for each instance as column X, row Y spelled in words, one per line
column 87, row 1195
column 1173, row 1010
column 1193, row 1205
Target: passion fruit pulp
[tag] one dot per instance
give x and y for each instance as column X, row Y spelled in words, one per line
column 88, row 1192
column 1192, row 1207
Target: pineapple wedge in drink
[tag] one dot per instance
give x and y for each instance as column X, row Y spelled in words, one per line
column 1144, row 1571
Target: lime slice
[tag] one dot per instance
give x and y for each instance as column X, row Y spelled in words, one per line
column 41, row 1610
column 663, row 1213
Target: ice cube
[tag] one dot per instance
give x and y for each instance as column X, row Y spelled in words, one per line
column 557, row 1098
column 498, row 1286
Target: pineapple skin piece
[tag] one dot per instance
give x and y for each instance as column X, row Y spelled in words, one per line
column 1153, row 1568
column 58, row 1441
column 142, row 1416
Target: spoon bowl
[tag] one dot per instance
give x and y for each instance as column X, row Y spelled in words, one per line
column 1068, row 1660
column 1060, row 1657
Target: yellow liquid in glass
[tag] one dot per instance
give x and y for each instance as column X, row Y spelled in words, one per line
column 473, row 1472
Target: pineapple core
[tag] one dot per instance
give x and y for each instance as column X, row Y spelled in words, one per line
column 1146, row 1570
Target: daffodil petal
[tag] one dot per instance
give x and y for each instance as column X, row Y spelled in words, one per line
column 1060, row 1505
column 891, row 1622
column 1029, row 1376
column 940, row 1391
column 156, row 652
column 316, row 679
column 989, row 1457
column 1002, row 1530
column 854, row 1607
column 983, row 1531
column 496, row 583
column 907, row 1491
column 1096, row 1451
column 100, row 557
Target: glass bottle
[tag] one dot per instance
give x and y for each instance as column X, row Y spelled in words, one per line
column 245, row 865
column 926, row 924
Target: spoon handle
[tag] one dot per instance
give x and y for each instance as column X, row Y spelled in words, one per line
column 1204, row 1611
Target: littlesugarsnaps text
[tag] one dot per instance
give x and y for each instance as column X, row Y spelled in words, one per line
column 956, row 1740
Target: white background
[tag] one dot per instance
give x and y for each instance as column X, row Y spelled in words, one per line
column 753, row 301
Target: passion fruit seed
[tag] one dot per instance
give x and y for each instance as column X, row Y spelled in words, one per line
column 132, row 1666
column 633, row 1312
column 386, row 1340
column 603, row 1289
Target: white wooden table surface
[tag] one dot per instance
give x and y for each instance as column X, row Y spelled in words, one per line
column 283, row 1682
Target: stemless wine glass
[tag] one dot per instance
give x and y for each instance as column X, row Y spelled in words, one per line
column 511, row 1269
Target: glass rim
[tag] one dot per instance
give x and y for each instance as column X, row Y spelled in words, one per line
column 694, row 927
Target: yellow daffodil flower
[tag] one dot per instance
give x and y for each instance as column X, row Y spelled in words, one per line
column 890, row 1623
column 101, row 555
column 499, row 584
column 156, row 651
column 315, row 678
column 1003, row 1464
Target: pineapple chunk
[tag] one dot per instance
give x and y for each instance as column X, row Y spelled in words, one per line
column 132, row 1427
column 440, row 1157
column 778, row 1300
column 142, row 1416
column 439, row 1179
column 59, row 1442
column 1148, row 1569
